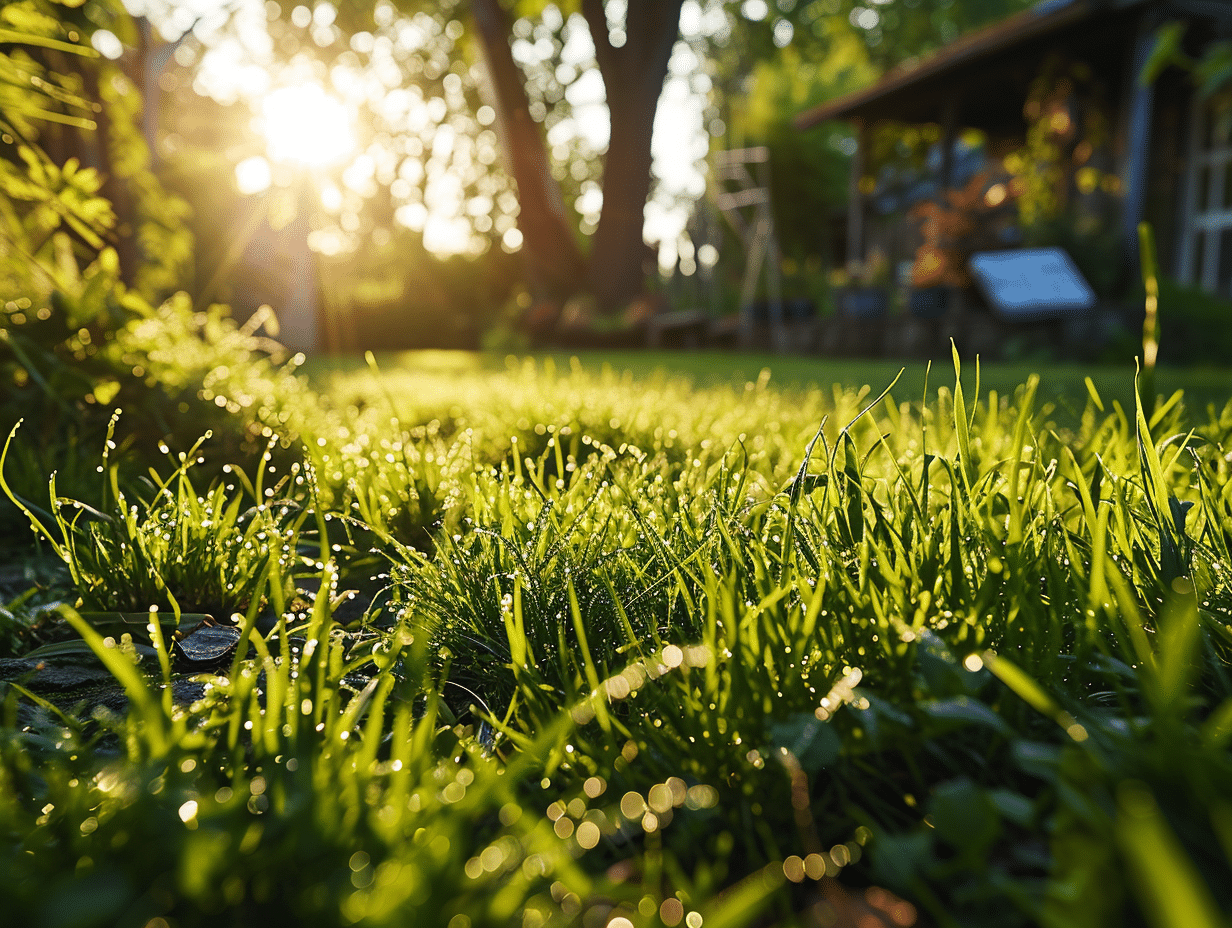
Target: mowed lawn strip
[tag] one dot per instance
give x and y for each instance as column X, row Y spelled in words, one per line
column 1062, row 382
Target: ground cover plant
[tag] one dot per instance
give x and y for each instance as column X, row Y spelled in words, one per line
column 546, row 645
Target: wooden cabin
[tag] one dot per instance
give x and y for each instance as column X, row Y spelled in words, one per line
column 1157, row 151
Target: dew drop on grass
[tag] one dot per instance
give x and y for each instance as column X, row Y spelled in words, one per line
column 594, row 787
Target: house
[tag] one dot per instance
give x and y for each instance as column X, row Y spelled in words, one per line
column 1062, row 81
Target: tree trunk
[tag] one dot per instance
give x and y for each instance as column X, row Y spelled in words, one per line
column 633, row 76
column 553, row 261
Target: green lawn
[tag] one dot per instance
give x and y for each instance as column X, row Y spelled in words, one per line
column 546, row 643
column 1063, row 383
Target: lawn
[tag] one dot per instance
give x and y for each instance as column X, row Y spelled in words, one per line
column 636, row 640
column 1063, row 384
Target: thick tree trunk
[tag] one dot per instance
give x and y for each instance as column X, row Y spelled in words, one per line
column 633, row 76
column 554, row 263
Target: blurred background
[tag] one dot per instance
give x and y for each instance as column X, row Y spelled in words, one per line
column 498, row 174
column 420, row 174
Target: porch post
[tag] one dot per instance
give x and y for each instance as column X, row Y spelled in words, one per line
column 1135, row 163
column 949, row 134
column 855, row 199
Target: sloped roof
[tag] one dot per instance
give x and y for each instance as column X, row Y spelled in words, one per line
column 979, row 47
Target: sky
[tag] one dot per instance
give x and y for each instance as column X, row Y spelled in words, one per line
column 308, row 123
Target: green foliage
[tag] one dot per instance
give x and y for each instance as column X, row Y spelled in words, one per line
column 164, row 245
column 1211, row 70
column 72, row 360
column 1063, row 176
column 62, row 106
column 29, row 92
column 74, row 339
column 808, row 170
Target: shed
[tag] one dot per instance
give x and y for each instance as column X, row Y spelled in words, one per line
column 1168, row 153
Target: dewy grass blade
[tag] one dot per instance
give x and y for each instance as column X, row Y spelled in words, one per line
column 639, row 616
column 22, row 507
column 1170, row 886
column 1213, row 532
column 1217, row 730
column 1025, row 405
column 741, row 904
column 1179, row 635
column 961, row 429
column 49, row 707
column 793, row 499
column 164, row 657
column 129, row 677
column 588, row 664
column 1152, row 469
column 1032, row 693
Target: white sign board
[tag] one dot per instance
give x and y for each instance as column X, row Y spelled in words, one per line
column 1032, row 283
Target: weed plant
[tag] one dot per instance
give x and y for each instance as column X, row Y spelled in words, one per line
column 653, row 655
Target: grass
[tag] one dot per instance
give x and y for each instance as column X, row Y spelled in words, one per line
column 541, row 643
column 1062, row 383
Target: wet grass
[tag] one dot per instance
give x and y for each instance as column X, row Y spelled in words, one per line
column 697, row 646
column 1062, row 383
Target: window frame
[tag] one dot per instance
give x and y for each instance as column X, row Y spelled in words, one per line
column 1207, row 220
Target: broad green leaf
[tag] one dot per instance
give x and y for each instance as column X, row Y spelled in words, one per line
column 967, row 711
column 965, row 816
column 1165, row 52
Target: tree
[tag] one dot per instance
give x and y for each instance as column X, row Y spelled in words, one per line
column 632, row 68
column 554, row 262
column 633, row 71
column 505, row 57
column 633, row 75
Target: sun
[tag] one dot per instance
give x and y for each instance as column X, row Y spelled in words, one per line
column 304, row 125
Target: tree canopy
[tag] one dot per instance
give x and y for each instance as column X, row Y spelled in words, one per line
column 529, row 125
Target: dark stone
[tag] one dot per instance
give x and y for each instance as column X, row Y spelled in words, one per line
column 48, row 676
column 208, row 643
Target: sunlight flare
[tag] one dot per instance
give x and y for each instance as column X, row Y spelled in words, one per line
column 305, row 125
column 252, row 175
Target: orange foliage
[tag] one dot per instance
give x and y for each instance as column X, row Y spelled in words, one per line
column 956, row 227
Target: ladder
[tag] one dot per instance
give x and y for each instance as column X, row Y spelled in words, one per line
column 743, row 179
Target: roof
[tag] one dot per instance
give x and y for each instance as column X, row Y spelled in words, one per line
column 1039, row 22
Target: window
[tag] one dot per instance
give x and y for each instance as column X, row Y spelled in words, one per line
column 1206, row 240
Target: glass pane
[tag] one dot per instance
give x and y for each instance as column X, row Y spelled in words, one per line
column 1225, row 201
column 1199, row 255
column 1203, row 202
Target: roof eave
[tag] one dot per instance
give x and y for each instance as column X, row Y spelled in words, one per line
column 1019, row 28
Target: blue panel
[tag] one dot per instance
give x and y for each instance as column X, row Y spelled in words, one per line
column 1032, row 283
